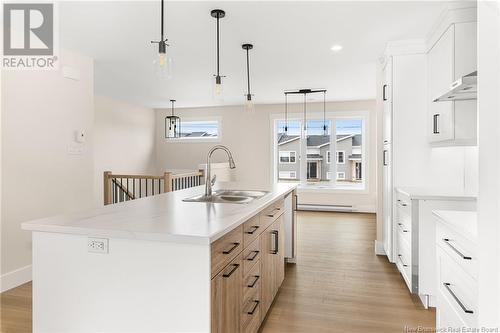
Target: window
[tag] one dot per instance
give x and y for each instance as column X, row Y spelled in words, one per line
column 321, row 159
column 208, row 130
column 287, row 175
column 287, row 157
column 341, row 157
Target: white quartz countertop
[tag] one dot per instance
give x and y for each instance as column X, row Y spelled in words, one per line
column 164, row 217
column 423, row 193
column 463, row 222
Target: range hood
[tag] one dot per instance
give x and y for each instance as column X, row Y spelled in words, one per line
column 462, row 89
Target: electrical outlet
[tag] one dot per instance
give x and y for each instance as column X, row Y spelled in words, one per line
column 98, row 245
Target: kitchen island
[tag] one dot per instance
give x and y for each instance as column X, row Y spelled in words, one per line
column 161, row 264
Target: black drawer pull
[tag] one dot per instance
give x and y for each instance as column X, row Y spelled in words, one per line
column 255, row 254
column 384, row 97
column 401, row 259
column 447, row 242
column 447, row 286
column 254, row 307
column 235, row 245
column 251, row 285
column 252, row 230
column 273, row 213
column 235, row 267
column 402, row 227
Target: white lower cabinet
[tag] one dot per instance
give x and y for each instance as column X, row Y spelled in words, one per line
column 457, row 280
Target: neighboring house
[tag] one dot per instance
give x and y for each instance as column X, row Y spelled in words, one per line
column 348, row 158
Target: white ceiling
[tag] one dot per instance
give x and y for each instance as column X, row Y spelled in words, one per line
column 292, row 42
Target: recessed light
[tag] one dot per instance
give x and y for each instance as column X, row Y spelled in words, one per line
column 336, row 48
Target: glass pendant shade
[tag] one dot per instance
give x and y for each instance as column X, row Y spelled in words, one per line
column 249, row 105
column 162, row 61
column 218, row 89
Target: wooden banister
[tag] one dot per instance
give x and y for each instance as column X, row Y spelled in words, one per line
column 119, row 188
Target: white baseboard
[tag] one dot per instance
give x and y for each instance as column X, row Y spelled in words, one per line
column 15, row 278
column 379, row 248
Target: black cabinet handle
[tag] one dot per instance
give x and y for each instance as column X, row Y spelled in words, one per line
column 276, row 241
column 435, row 120
column 251, row 285
column 447, row 241
column 235, row 267
column 401, row 259
column 254, row 307
column 447, row 286
column 235, row 245
column 252, row 230
column 252, row 258
column 402, row 227
column 385, row 157
column 384, row 97
column 273, row 213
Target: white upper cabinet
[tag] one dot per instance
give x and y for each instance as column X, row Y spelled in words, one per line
column 387, row 99
column 451, row 57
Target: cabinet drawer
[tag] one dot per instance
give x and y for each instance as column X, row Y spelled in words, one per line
column 403, row 206
column 226, row 249
column 251, row 255
column 271, row 213
column 251, row 230
column 252, row 282
column 460, row 249
column 446, row 316
column 403, row 261
column 458, row 288
column 403, row 233
column 251, row 314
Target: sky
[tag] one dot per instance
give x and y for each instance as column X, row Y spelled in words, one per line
column 315, row 127
column 211, row 127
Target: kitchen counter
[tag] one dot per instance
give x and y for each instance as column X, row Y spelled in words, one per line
column 163, row 217
column 464, row 222
column 423, row 193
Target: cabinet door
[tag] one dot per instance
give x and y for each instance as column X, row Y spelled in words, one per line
column 387, row 101
column 227, row 294
column 387, row 202
column 441, row 75
column 465, row 48
column 267, row 266
column 279, row 257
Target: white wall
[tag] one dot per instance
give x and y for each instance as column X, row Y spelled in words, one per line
column 489, row 169
column 125, row 140
column 248, row 135
column 41, row 110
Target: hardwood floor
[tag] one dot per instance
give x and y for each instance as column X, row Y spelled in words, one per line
column 340, row 285
column 337, row 285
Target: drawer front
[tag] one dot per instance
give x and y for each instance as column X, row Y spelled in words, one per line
column 404, row 232
column 251, row 230
column 403, row 205
column 271, row 213
column 226, row 249
column 252, row 282
column 251, row 313
column 460, row 249
column 458, row 288
column 403, row 261
column 446, row 316
column 251, row 255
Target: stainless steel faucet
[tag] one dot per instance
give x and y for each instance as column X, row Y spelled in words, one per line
column 209, row 181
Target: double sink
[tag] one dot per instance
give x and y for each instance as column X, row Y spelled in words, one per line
column 228, row 196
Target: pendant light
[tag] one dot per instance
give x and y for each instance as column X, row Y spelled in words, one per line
column 325, row 128
column 162, row 62
column 286, row 114
column 305, row 92
column 172, row 124
column 248, row 101
column 218, row 91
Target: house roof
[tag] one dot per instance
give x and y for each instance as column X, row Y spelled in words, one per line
column 314, row 157
column 355, row 157
column 357, row 140
column 320, row 140
column 287, row 138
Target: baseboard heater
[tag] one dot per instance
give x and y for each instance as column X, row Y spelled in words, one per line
column 326, row 208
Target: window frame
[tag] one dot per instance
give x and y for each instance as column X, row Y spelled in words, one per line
column 289, row 156
column 337, row 153
column 340, row 172
column 290, row 177
column 328, row 157
column 216, row 139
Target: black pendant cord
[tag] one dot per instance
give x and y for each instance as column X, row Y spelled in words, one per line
column 286, row 114
column 324, row 113
column 162, row 24
column 218, row 74
column 248, row 74
column 305, row 119
column 172, row 101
